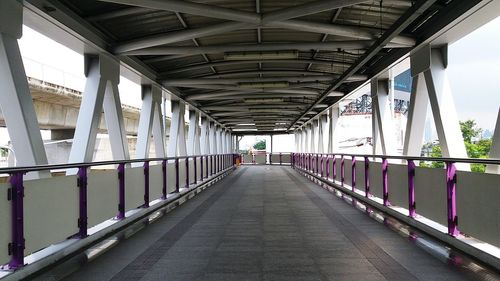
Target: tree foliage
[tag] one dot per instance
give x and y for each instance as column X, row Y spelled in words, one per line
column 478, row 149
column 260, row 145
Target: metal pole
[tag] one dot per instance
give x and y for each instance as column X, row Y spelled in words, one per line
column 385, row 182
column 187, row 172
column 342, row 170
column 195, row 170
column 82, row 186
column 121, row 191
column 146, row 184
column 353, row 173
column 164, row 179
column 411, row 188
column 177, row 175
column 16, row 248
column 367, row 177
column 451, row 181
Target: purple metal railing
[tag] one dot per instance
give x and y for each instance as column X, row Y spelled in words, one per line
column 16, row 193
column 305, row 162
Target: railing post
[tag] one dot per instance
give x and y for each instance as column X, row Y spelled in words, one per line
column 177, row 189
column 164, row 179
column 353, row 173
column 187, row 172
column 211, row 165
column 317, row 163
column 321, row 165
column 270, row 158
column 146, row 184
column 82, row 188
column 121, row 191
column 334, row 165
column 342, row 170
column 207, row 170
column 281, row 158
column 411, row 188
column 195, row 170
column 327, row 167
column 16, row 247
column 201, row 168
column 451, row 181
column 367, row 177
column 385, row 181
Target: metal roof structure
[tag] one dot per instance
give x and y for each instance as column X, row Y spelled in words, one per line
column 262, row 65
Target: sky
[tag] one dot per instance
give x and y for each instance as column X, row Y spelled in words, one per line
column 474, row 72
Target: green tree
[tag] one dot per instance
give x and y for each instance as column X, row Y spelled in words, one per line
column 479, row 149
column 260, row 145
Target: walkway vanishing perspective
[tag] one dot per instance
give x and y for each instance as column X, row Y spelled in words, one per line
column 268, row 223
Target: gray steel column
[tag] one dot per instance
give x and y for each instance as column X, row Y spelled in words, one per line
column 177, row 141
column 150, row 123
column 193, row 134
column 212, row 137
column 432, row 63
column 382, row 120
column 101, row 90
column 205, row 136
column 15, row 97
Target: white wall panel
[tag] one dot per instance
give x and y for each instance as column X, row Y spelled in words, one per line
column 398, row 185
column 376, row 179
column 5, row 223
column 50, row 211
column 102, row 196
column 478, row 205
column 155, row 182
column 134, row 188
column 430, row 194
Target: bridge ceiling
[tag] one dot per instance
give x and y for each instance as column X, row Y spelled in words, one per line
column 268, row 64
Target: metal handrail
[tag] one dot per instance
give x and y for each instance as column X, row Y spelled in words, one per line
column 492, row 161
column 36, row 168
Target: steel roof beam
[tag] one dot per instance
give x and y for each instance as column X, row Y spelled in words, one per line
column 403, row 22
column 257, row 92
column 235, row 81
column 256, row 95
column 217, row 49
column 233, row 63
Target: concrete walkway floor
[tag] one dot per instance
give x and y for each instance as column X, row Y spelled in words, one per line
column 268, row 223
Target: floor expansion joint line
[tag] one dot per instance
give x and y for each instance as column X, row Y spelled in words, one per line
column 140, row 266
column 382, row 261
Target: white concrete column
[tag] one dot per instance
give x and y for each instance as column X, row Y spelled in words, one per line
column 150, row 123
column 177, row 141
column 334, row 114
column 212, row 137
column 101, row 91
column 307, row 138
column 15, row 97
column 218, row 138
column 193, row 134
column 314, row 129
column 417, row 112
column 382, row 120
column 204, row 136
column 322, row 120
column 430, row 63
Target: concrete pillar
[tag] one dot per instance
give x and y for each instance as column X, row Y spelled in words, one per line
column 431, row 63
column 212, row 137
column 314, row 129
column 150, row 123
column 177, row 141
column 193, row 133
column 101, row 91
column 495, row 148
column 15, row 97
column 382, row 120
column 322, row 122
column 334, row 114
column 205, row 136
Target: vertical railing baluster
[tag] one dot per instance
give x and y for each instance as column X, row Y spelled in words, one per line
column 367, row 177
column 82, row 194
column 16, row 195
column 187, row 172
column 195, row 170
column 385, row 181
column 353, row 173
column 334, row 166
column 164, row 179
column 411, row 188
column 201, row 168
column 327, row 165
column 177, row 188
column 342, row 170
column 121, row 191
column 451, row 182
column 146, row 184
